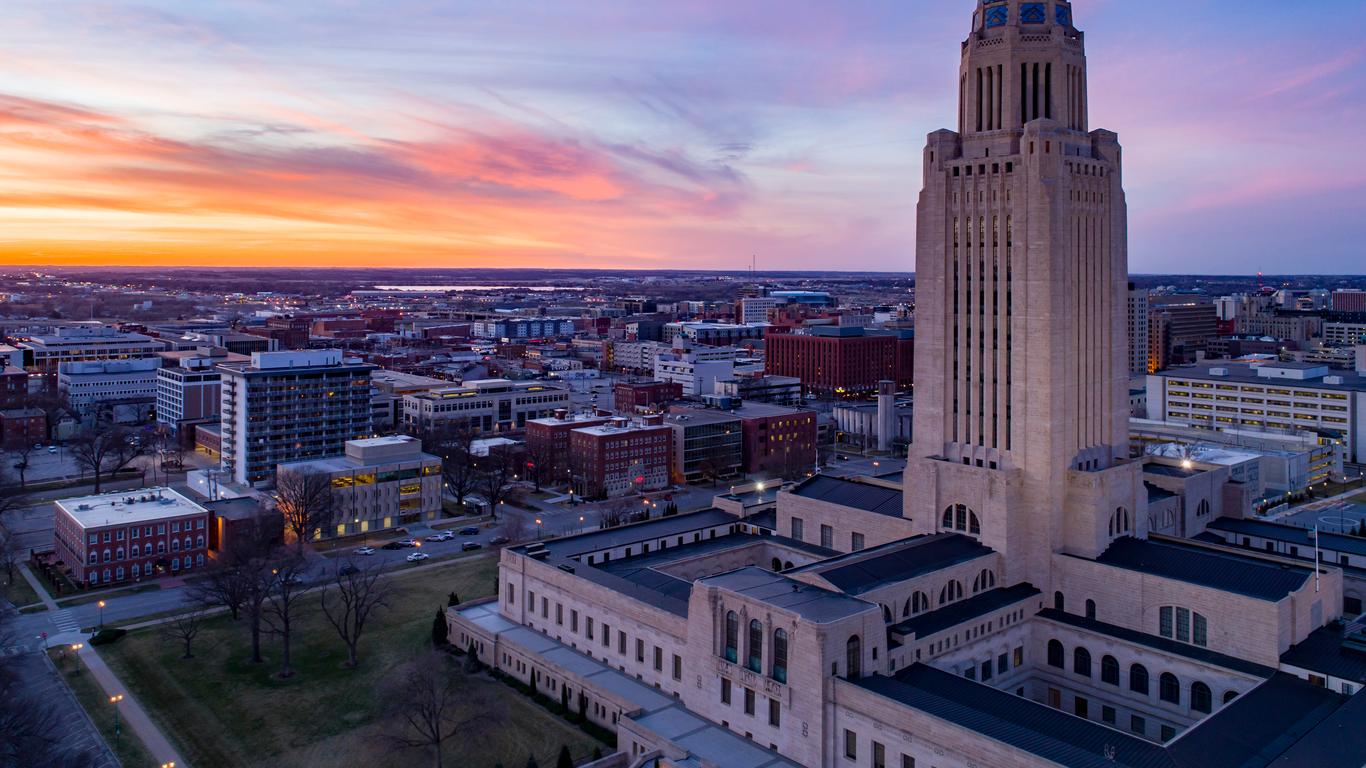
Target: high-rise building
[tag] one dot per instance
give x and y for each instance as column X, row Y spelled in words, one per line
column 290, row 406
column 1349, row 301
column 1138, row 329
column 1179, row 329
column 1002, row 603
column 841, row 361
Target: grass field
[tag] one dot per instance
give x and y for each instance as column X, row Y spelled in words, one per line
column 222, row 711
column 93, row 700
column 19, row 591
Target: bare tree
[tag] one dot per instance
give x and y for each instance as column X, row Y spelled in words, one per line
column 354, row 595
column 452, row 441
column 9, row 492
column 184, row 628
column 103, row 452
column 515, row 528
column 21, row 456
column 429, row 706
column 280, row 609
column 9, row 555
column 304, row 500
column 495, row 478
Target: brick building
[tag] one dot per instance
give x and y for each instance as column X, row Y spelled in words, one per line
column 619, row 457
column 547, row 443
column 776, row 441
column 637, row 396
column 129, row 535
column 22, row 426
column 841, row 361
column 13, row 386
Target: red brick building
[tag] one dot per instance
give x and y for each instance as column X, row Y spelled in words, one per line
column 13, row 386
column 130, row 535
column 20, row 426
column 547, row 443
column 618, row 458
column 637, row 397
column 836, row 361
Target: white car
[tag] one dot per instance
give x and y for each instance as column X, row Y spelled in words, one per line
column 418, row 557
column 365, row 550
column 439, row 537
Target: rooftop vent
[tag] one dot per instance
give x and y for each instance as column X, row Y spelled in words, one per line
column 1218, row 371
column 1332, row 380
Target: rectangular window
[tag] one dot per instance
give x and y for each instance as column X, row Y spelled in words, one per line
column 1107, row 713
column 879, row 756
column 1183, row 625
column 621, row 643
column 850, row 744
column 573, row 621
column 798, row 528
column 1137, row 724
column 606, row 635
column 749, row 701
column 1164, row 621
column 855, row 541
column 588, row 627
column 559, row 614
column 827, row 537
column 678, row 667
column 906, row 760
column 725, row 691
column 659, row 659
column 774, row 713
column 1019, row 656
column 1168, row 733
column 640, row 650
column 1201, row 630
column 1080, row 706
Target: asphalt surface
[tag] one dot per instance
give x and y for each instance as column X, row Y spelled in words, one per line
column 78, row 734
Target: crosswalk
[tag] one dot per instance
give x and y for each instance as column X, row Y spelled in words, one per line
column 64, row 621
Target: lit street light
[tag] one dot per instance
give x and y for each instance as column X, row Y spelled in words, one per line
column 101, row 606
column 115, row 699
column 538, row 528
column 76, row 648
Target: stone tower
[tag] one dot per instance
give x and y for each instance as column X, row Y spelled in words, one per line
column 1021, row 401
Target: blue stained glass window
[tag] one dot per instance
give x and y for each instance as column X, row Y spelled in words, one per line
column 997, row 16
column 1032, row 13
column 1064, row 15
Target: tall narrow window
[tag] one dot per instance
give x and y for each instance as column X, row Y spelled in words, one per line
column 853, row 657
column 1138, row 679
column 780, row 655
column 1202, row 699
column 756, row 646
column 732, row 636
column 1081, row 662
column 1169, row 688
column 1055, row 654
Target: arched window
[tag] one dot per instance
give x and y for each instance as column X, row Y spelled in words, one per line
column 1138, row 679
column 1059, row 604
column 1202, row 698
column 777, row 564
column 1055, row 654
column 787, row 565
column 780, row 655
column 984, row 580
column 919, row 602
column 950, row 592
column 1202, row 508
column 1121, row 522
column 756, row 646
column 732, row 636
column 887, row 614
column 853, row 657
column 1090, row 609
column 1230, row 696
column 1182, row 624
column 136, row 570
column 1109, row 670
column 958, row 517
column 1081, row 662
column 1169, row 688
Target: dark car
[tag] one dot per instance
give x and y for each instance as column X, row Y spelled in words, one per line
column 348, row 569
column 469, row 530
column 471, row 545
column 496, row 540
column 392, row 545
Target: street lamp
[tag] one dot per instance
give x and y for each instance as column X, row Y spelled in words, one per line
column 115, row 699
column 538, row 527
column 581, row 522
column 101, row 605
column 76, row 648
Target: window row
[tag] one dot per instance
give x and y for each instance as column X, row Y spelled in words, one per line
column 754, row 647
column 593, row 630
column 1168, row 687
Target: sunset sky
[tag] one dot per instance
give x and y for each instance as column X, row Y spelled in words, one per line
column 644, row 134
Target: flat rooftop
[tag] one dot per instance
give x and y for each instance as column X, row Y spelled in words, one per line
column 1242, row 373
column 952, row 615
column 127, row 507
column 897, row 561
column 1304, row 537
column 851, row 493
column 820, row 606
column 1216, row 569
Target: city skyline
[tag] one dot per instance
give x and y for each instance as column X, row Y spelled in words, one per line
column 593, row 135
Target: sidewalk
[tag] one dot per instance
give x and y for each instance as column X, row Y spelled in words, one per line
column 132, row 712
column 37, row 587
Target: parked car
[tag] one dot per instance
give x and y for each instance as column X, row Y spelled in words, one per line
column 469, row 530
column 365, row 550
column 392, row 545
column 52, row 449
column 499, row 540
column 418, row 557
column 407, row 542
column 347, row 569
column 471, row 545
column 443, row 536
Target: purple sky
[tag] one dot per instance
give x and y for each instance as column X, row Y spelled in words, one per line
column 638, row 134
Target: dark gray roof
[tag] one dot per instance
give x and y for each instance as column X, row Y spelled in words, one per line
column 849, row 493
column 1019, row 722
column 1169, row 470
column 927, row 624
column 1157, row 494
column 1216, row 569
column 1157, row 642
column 1323, row 652
column 583, row 543
column 809, row 602
column 1281, row 718
column 858, row 572
column 1291, row 534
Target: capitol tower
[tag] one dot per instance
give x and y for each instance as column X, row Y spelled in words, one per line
column 1021, row 268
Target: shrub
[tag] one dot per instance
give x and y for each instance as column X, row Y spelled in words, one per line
column 107, row 636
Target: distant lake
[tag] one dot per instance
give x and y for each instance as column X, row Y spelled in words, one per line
column 435, row 288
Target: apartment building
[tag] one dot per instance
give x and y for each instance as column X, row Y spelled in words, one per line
column 621, row 457
column 1270, row 396
column 547, row 442
column 129, row 535
column 487, row 405
column 290, row 406
column 524, row 327
column 378, row 483
column 1137, row 316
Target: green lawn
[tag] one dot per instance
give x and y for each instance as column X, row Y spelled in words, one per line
column 128, row 748
column 18, row 591
column 223, row 711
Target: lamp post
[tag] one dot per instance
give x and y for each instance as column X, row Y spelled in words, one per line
column 115, row 699
column 76, row 648
column 101, row 607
